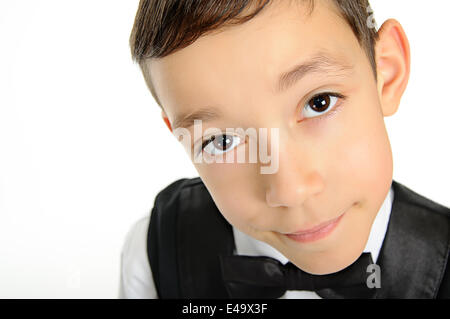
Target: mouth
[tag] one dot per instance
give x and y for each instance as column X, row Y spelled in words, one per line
column 315, row 233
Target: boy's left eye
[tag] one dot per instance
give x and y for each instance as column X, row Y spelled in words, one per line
column 320, row 104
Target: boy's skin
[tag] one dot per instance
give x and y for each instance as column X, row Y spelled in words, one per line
column 328, row 165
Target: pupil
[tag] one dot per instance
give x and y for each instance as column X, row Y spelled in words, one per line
column 320, row 103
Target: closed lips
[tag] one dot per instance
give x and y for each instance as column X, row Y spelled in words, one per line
column 315, row 228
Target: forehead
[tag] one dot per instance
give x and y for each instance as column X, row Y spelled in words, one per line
column 242, row 63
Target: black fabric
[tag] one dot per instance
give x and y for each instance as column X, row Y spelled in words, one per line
column 415, row 250
column 187, row 235
column 444, row 290
column 267, row 278
column 161, row 244
column 203, row 235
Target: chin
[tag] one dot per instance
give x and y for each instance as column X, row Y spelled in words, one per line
column 325, row 267
column 323, row 263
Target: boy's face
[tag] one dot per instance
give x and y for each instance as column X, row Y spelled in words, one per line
column 332, row 161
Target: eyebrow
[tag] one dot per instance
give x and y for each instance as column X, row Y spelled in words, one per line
column 319, row 63
column 204, row 114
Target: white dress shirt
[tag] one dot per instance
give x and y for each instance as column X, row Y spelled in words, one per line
column 136, row 281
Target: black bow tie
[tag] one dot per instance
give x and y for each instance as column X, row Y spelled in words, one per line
column 266, row 277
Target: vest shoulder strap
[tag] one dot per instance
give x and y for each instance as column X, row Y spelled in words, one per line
column 186, row 235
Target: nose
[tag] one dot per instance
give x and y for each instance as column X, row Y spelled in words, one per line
column 295, row 181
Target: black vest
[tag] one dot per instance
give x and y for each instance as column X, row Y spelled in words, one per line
column 187, row 233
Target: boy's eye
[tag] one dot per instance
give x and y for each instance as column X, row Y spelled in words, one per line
column 219, row 144
column 320, row 104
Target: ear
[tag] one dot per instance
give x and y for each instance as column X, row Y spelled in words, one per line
column 166, row 120
column 393, row 65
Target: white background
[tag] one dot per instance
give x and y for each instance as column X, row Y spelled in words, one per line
column 83, row 150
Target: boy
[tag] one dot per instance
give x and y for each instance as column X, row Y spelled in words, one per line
column 327, row 220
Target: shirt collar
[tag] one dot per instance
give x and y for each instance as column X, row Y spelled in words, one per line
column 249, row 246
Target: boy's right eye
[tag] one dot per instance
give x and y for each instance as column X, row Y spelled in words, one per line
column 219, row 144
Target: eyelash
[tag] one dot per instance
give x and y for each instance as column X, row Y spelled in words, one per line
column 206, row 142
column 330, row 113
column 316, row 118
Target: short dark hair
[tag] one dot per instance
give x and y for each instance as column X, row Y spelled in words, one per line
column 162, row 27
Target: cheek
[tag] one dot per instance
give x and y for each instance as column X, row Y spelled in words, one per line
column 233, row 191
column 364, row 156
